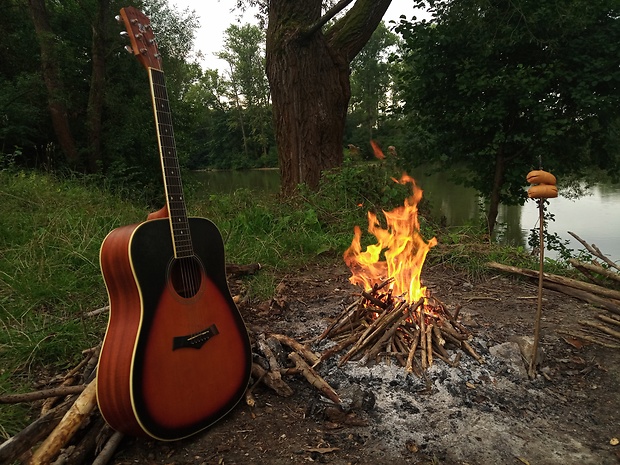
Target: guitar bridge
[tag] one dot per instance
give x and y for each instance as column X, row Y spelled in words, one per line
column 195, row 340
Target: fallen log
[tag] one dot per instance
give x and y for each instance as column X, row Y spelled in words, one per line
column 592, row 288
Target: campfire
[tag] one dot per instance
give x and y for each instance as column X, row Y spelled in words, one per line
column 395, row 316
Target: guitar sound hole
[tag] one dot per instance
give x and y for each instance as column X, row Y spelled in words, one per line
column 186, row 276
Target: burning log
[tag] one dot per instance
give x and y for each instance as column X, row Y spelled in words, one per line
column 400, row 329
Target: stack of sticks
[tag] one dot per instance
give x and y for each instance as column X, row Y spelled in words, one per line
column 379, row 325
column 69, row 429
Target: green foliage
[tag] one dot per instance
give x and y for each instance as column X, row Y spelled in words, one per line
column 49, row 273
column 372, row 93
column 501, row 87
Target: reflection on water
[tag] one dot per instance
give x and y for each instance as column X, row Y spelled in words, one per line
column 595, row 218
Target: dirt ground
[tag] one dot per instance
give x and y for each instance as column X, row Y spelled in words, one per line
column 489, row 413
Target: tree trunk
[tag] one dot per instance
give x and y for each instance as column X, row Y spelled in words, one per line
column 53, row 82
column 498, row 182
column 308, row 72
column 97, row 87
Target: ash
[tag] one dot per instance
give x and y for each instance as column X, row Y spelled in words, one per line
column 473, row 413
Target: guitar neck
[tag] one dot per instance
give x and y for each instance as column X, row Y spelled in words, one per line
column 175, row 200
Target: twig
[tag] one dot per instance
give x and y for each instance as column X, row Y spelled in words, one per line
column 603, row 328
column 108, row 450
column 314, row 378
column 43, row 394
column 594, row 250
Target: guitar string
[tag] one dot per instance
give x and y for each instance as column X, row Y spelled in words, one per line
column 190, row 272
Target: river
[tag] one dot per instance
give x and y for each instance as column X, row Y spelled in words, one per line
column 595, row 217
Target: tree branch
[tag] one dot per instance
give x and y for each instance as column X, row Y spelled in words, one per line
column 326, row 17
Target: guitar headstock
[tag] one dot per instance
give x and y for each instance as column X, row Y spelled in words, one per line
column 142, row 38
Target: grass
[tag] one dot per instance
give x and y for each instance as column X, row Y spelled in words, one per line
column 52, row 229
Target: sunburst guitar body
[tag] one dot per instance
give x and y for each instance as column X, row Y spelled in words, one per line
column 176, row 356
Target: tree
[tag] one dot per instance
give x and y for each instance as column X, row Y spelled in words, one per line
column 371, row 83
column 308, row 64
column 249, row 89
column 53, row 81
column 498, row 87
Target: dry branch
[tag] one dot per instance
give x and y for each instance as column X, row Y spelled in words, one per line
column 594, row 250
column 601, row 327
column 306, row 353
column 595, row 269
column 14, row 447
column 108, row 450
column 271, row 380
column 314, row 378
column 592, row 288
column 586, row 297
column 43, row 394
column 70, row 423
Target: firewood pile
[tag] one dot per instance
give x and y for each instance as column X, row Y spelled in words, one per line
column 599, row 289
column 380, row 326
column 69, row 429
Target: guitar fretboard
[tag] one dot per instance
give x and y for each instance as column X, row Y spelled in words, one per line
column 175, row 200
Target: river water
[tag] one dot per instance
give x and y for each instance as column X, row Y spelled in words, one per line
column 595, row 217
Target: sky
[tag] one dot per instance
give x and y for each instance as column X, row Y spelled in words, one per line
column 214, row 17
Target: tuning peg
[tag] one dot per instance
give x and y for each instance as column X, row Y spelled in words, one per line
column 124, row 34
column 118, row 18
column 129, row 49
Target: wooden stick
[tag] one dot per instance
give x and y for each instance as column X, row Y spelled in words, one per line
column 609, row 319
column 272, row 381
column 376, row 302
column 314, row 378
column 14, row 447
column 594, row 250
column 423, row 348
column 108, row 450
column 429, row 344
column 470, row 350
column 344, row 316
column 87, row 444
column 359, row 343
column 374, row 350
column 600, row 327
column 70, row 423
column 415, row 339
column 541, row 238
column 97, row 311
column 340, row 346
column 43, row 394
column 301, row 349
column 588, row 297
column 555, row 279
column 588, row 338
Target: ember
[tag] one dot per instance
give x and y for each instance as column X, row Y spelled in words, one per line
column 395, row 315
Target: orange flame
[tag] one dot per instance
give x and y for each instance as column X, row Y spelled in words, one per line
column 401, row 245
column 377, row 150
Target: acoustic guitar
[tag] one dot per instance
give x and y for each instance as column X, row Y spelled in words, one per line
column 176, row 355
